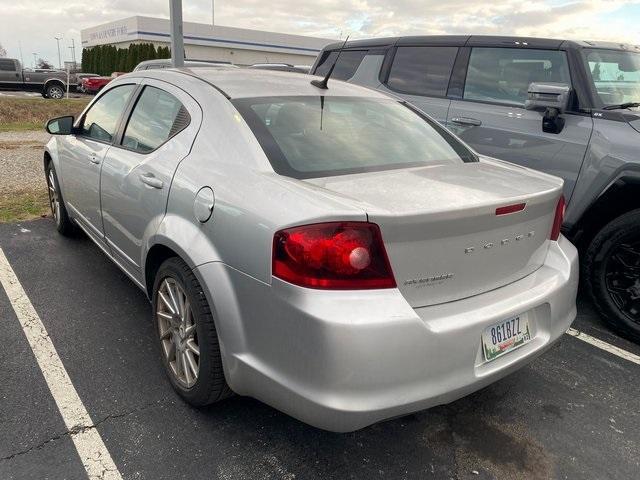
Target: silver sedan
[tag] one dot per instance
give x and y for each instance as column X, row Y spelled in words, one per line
column 332, row 252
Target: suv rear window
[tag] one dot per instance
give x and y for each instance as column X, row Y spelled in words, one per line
column 346, row 67
column 422, row 70
column 313, row 136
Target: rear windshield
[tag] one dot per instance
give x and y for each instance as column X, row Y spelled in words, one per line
column 307, row 137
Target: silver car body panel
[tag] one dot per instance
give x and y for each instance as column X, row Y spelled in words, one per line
column 339, row 360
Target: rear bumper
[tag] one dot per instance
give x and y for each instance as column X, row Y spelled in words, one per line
column 344, row 360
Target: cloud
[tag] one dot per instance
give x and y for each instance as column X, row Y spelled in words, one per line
column 35, row 22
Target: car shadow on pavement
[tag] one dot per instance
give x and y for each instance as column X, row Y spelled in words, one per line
column 461, row 440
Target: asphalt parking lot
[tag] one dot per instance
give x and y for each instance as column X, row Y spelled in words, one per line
column 573, row 413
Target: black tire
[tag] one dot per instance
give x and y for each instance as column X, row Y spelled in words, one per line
column 612, row 272
column 210, row 385
column 55, row 91
column 64, row 224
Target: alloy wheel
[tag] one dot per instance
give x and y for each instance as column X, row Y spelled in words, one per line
column 56, row 93
column 178, row 335
column 54, row 198
column 622, row 279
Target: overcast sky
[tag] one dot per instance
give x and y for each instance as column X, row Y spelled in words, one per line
column 34, row 23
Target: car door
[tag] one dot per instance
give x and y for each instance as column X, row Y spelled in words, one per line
column 83, row 153
column 492, row 119
column 420, row 75
column 10, row 73
column 137, row 171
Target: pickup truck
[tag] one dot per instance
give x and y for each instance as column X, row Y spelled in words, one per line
column 51, row 83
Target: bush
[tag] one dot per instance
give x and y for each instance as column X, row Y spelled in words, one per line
column 106, row 59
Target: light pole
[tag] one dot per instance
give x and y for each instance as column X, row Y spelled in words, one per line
column 177, row 42
column 59, row 57
column 73, row 51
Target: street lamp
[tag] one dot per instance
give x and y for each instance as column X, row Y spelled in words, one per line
column 59, row 58
column 73, row 51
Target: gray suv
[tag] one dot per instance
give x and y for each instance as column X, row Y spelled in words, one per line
column 564, row 107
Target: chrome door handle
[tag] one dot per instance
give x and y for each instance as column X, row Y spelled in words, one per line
column 93, row 158
column 151, row 180
column 466, row 121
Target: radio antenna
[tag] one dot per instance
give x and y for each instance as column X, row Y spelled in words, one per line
column 322, row 84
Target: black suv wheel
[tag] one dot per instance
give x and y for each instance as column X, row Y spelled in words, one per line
column 612, row 273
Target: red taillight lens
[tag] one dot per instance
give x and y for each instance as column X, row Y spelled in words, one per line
column 558, row 219
column 518, row 207
column 334, row 256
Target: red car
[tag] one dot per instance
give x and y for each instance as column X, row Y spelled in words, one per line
column 95, row 84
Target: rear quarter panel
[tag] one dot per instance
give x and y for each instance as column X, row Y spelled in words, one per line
column 251, row 201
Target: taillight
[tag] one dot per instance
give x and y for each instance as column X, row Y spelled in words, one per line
column 558, row 219
column 334, row 256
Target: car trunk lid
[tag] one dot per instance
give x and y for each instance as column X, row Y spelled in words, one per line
column 439, row 224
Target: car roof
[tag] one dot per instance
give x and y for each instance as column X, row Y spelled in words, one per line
column 189, row 63
column 480, row 40
column 245, row 82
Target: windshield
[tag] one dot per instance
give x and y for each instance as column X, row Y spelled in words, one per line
column 615, row 75
column 306, row 137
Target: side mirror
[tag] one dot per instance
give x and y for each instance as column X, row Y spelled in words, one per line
column 60, row 126
column 548, row 95
column 553, row 100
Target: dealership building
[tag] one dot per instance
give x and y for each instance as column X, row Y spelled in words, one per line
column 206, row 42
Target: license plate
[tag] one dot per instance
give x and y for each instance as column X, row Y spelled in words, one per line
column 505, row 336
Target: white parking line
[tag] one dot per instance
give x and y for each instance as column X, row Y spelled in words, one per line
column 92, row 451
column 607, row 347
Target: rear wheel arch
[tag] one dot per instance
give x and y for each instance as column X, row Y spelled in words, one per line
column 162, row 247
column 51, row 82
column 620, row 197
column 156, row 256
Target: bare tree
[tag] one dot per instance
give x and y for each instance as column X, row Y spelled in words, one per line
column 42, row 63
column 3, row 51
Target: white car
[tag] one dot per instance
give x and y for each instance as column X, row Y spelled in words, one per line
column 332, row 252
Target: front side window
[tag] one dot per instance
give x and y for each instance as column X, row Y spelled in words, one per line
column 313, row 136
column 503, row 75
column 101, row 121
column 615, row 75
column 422, row 70
column 156, row 117
column 346, row 67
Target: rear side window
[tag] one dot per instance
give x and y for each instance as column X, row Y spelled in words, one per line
column 503, row 75
column 156, row 118
column 101, row 120
column 346, row 67
column 7, row 65
column 422, row 70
